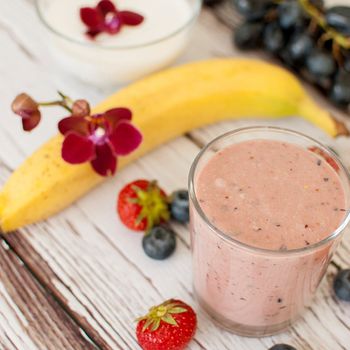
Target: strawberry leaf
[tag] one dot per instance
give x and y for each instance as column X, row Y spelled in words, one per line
column 155, row 325
column 148, row 323
column 177, row 310
column 169, row 319
column 139, row 219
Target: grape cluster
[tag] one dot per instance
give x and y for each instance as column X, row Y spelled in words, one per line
column 308, row 37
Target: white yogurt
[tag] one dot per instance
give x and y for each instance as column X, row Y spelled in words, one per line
column 126, row 56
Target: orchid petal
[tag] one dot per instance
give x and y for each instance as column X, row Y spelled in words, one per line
column 78, row 124
column 92, row 33
column 105, row 162
column 80, row 108
column 125, row 138
column 24, row 103
column 130, row 18
column 113, row 116
column 106, row 6
column 91, row 17
column 77, row 149
column 29, row 123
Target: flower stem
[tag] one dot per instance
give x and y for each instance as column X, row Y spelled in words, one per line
column 50, row 103
column 65, row 102
column 65, row 97
column 66, row 107
column 60, row 103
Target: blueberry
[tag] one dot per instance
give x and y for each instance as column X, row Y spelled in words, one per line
column 159, row 243
column 282, row 347
column 341, row 285
column 179, row 206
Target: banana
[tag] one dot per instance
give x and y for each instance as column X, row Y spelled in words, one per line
column 164, row 105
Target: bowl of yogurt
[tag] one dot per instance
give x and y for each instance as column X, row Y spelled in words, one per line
column 134, row 52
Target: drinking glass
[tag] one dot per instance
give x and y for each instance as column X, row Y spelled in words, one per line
column 248, row 290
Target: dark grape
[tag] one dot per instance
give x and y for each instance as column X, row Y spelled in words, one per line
column 340, row 92
column 338, row 17
column 211, row 3
column 248, row 35
column 320, row 63
column 347, row 64
column 252, row 9
column 300, row 46
column 287, row 59
column 325, row 83
column 273, row 37
column 290, row 14
column 317, row 3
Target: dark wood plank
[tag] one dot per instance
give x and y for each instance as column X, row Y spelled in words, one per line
column 34, row 320
column 49, row 280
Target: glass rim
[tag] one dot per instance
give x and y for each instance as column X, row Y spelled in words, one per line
column 193, row 17
column 230, row 239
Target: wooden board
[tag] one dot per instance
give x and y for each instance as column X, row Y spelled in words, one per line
column 30, row 318
column 92, row 270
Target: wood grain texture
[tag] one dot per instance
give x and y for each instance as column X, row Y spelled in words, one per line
column 30, row 318
column 84, row 257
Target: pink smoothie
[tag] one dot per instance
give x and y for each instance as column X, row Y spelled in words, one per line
column 272, row 195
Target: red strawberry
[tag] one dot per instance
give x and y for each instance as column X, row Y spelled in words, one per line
column 142, row 204
column 168, row 326
column 325, row 156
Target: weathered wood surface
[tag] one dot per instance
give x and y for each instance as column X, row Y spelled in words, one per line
column 93, row 268
column 30, row 318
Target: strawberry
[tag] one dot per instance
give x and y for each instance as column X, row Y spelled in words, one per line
column 142, row 204
column 168, row 326
column 325, row 156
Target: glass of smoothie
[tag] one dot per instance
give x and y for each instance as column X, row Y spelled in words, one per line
column 268, row 208
column 132, row 53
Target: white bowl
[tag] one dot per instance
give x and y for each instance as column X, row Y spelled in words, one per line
column 108, row 65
